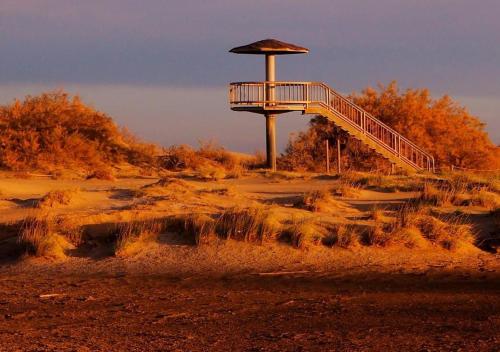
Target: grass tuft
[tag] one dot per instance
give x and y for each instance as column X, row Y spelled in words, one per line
column 38, row 238
column 252, row 224
column 341, row 235
column 57, row 198
column 302, row 233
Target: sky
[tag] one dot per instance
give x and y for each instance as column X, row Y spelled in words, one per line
column 161, row 67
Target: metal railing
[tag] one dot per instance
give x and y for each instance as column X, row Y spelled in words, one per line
column 302, row 95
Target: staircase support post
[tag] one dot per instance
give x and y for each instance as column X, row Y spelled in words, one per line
column 327, row 156
column 271, row 141
column 338, row 156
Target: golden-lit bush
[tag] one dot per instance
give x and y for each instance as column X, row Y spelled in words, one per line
column 53, row 131
column 440, row 126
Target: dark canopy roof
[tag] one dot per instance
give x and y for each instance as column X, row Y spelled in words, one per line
column 269, row 46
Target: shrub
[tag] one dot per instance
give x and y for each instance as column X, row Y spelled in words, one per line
column 54, row 131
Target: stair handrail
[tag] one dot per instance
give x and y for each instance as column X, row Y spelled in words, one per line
column 328, row 91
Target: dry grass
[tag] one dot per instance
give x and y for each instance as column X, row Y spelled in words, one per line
column 210, row 172
column 379, row 182
column 378, row 236
column 199, row 227
column 376, row 214
column 134, row 236
column 449, row 233
column 484, row 198
column 302, row 233
column 284, row 175
column 341, row 235
column 346, row 190
column 436, row 196
column 253, row 224
column 57, row 198
column 102, row 173
column 168, row 185
column 315, row 201
column 410, row 237
column 70, row 229
column 39, row 238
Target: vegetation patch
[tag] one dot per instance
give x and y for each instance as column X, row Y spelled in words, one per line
column 302, row 234
column 57, row 198
column 38, row 237
column 252, row 224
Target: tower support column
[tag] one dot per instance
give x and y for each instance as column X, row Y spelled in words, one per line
column 271, row 141
column 270, row 118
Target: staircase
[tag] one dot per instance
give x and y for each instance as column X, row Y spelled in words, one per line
column 319, row 99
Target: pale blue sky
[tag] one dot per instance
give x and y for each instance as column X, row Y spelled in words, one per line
column 161, row 67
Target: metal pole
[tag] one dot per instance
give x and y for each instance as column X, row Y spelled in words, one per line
column 338, row 156
column 327, row 157
column 270, row 118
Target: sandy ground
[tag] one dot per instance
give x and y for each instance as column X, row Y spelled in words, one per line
column 234, row 296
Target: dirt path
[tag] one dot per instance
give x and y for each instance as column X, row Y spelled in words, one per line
column 120, row 312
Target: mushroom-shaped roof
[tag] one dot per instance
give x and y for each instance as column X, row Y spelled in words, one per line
column 269, row 46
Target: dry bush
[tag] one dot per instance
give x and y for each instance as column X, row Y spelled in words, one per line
column 302, row 233
column 57, row 198
column 54, row 131
column 341, row 235
column 39, row 238
column 253, row 224
column 180, row 157
column 200, row 228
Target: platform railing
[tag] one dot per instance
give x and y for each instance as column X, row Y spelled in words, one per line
column 302, row 95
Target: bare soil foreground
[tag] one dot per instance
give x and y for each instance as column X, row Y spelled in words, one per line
column 263, row 262
column 294, row 312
